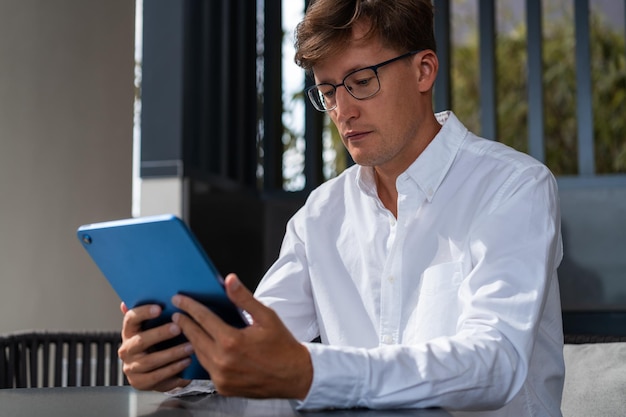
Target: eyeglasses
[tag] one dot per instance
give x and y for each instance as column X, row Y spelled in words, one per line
column 361, row 84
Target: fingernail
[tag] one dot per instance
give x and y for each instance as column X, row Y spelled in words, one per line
column 174, row 329
column 176, row 300
column 188, row 348
column 175, row 317
column 155, row 310
column 234, row 284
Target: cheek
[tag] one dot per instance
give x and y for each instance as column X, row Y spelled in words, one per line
column 401, row 98
column 396, row 115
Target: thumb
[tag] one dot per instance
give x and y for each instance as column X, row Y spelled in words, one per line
column 243, row 298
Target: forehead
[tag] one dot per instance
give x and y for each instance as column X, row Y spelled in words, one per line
column 357, row 53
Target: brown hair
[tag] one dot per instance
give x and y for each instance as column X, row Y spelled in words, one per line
column 404, row 25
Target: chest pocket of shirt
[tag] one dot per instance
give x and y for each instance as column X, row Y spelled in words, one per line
column 437, row 310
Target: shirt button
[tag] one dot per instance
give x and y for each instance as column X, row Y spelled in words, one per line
column 430, row 192
column 391, row 279
column 387, row 339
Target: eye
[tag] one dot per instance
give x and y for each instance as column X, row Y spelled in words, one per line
column 362, row 82
column 326, row 91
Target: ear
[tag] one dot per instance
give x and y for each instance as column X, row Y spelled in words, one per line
column 427, row 65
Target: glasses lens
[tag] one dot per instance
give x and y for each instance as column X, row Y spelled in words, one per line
column 363, row 83
column 360, row 84
column 322, row 96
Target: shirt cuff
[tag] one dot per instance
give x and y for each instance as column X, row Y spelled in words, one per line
column 340, row 376
column 195, row 387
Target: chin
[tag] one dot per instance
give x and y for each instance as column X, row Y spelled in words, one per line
column 364, row 160
column 360, row 159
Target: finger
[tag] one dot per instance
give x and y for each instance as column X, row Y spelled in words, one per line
column 134, row 317
column 123, row 307
column 142, row 362
column 162, row 379
column 194, row 332
column 144, row 341
column 198, row 337
column 244, row 299
column 204, row 317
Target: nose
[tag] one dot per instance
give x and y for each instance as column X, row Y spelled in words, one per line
column 347, row 106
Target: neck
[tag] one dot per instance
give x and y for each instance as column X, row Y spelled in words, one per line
column 387, row 174
column 386, row 189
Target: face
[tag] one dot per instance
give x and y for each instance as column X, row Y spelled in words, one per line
column 386, row 131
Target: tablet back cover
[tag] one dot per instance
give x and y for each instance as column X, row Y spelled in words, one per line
column 147, row 260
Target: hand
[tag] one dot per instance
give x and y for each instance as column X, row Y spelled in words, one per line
column 147, row 370
column 262, row 360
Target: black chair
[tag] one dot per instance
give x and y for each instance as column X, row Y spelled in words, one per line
column 45, row 359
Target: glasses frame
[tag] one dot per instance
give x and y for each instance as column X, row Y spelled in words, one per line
column 311, row 90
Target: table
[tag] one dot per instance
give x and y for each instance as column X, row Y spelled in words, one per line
column 128, row 402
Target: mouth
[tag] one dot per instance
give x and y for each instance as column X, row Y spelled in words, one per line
column 354, row 136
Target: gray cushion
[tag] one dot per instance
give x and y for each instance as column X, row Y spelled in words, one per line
column 595, row 380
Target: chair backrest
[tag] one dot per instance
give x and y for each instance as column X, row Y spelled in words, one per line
column 44, row 359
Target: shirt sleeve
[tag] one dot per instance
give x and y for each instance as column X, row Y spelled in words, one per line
column 515, row 249
column 286, row 287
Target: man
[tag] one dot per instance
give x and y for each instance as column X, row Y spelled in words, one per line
column 428, row 269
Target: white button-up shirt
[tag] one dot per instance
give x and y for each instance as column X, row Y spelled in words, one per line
column 454, row 304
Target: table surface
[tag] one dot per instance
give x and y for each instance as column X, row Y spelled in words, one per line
column 128, row 402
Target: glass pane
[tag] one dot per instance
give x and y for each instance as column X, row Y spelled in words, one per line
column 511, row 72
column 608, row 72
column 464, row 63
column 293, row 102
column 559, row 79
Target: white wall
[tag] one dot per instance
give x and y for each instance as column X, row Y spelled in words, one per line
column 66, row 108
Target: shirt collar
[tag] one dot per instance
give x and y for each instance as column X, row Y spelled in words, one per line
column 431, row 167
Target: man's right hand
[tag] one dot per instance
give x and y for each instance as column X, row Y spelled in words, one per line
column 147, row 370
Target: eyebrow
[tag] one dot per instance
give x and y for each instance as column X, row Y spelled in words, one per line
column 355, row 68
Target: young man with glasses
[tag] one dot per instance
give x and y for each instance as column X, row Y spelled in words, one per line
column 428, row 269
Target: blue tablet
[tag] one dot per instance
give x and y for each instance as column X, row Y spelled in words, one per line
column 147, row 260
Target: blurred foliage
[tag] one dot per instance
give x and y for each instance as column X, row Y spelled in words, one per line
column 608, row 59
column 608, row 72
column 336, row 148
